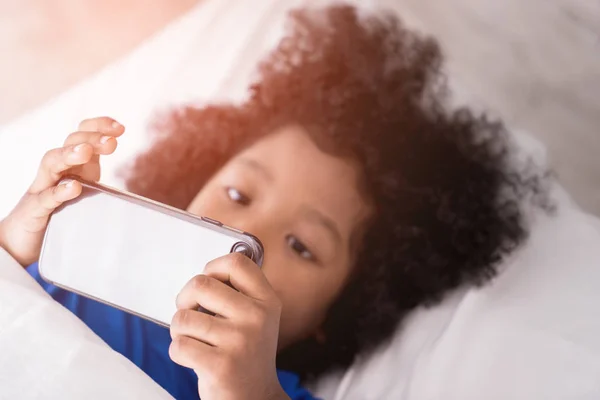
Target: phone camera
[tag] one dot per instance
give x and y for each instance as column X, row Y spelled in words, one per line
column 243, row 248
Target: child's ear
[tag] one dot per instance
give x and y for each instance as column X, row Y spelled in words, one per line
column 320, row 336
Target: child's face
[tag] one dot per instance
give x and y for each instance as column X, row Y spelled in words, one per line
column 304, row 205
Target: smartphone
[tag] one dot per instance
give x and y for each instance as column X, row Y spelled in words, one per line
column 133, row 253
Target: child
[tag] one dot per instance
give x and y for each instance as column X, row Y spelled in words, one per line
column 369, row 197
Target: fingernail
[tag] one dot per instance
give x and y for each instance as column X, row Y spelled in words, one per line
column 78, row 148
column 116, row 125
column 67, row 183
column 105, row 139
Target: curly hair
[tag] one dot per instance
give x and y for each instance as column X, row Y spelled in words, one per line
column 445, row 194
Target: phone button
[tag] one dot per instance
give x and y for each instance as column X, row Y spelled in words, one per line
column 211, row 221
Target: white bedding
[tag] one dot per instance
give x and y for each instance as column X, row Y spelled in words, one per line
column 533, row 334
column 47, row 353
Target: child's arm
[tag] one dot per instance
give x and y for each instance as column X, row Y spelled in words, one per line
column 233, row 353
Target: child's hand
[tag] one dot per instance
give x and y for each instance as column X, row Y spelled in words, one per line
column 232, row 353
column 22, row 231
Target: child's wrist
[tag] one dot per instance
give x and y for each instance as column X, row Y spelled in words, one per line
column 4, row 243
column 278, row 394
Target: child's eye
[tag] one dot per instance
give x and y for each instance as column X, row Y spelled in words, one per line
column 237, row 196
column 299, row 248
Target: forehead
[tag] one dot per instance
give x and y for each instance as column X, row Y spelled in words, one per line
column 306, row 174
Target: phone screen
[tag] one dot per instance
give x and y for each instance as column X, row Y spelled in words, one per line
column 128, row 253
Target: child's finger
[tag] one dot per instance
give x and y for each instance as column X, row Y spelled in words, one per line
column 40, row 206
column 101, row 142
column 198, row 325
column 214, row 296
column 243, row 274
column 57, row 161
column 101, row 124
column 193, row 354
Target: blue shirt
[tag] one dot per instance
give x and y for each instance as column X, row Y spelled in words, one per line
column 144, row 343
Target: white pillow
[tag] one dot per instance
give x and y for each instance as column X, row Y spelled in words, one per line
column 209, row 53
column 533, row 333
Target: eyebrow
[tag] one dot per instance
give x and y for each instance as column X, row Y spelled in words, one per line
column 255, row 165
column 324, row 221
